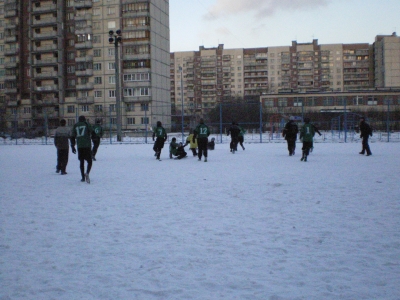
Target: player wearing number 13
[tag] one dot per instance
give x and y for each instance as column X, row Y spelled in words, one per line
column 81, row 135
column 307, row 133
column 201, row 133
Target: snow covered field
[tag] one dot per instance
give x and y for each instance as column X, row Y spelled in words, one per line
column 257, row 224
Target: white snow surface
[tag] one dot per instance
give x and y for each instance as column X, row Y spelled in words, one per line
column 257, row 224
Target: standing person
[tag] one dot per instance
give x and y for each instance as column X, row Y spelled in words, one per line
column 201, row 133
column 161, row 136
column 290, row 134
column 241, row 136
column 193, row 143
column 365, row 133
column 234, row 131
column 61, row 138
column 81, row 135
column 98, row 134
column 306, row 135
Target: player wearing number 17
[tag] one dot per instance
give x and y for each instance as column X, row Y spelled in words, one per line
column 81, row 135
column 201, row 133
column 307, row 133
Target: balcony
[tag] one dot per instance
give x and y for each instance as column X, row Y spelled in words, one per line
column 10, row 77
column 86, row 30
column 11, row 52
column 85, row 87
column 84, row 45
column 45, row 48
column 45, row 75
column 85, row 100
column 44, row 9
column 10, row 39
column 10, row 26
column 12, row 103
column 136, row 99
column 10, row 65
column 10, row 90
column 84, row 73
column 43, row 62
column 45, row 35
column 46, row 21
column 10, row 13
column 87, row 58
column 47, row 88
column 83, row 4
column 83, row 17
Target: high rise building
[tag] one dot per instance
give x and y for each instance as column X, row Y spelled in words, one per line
column 59, row 63
column 387, row 60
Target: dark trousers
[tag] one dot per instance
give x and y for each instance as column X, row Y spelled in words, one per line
column 194, row 151
column 96, row 144
column 234, row 143
column 291, row 143
column 365, row 145
column 85, row 154
column 241, row 140
column 62, row 159
column 202, row 146
column 158, row 145
column 306, row 148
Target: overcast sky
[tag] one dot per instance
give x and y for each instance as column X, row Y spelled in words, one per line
column 266, row 23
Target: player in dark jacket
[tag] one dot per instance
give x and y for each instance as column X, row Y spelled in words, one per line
column 161, row 136
column 290, row 134
column 234, row 131
column 61, row 139
column 365, row 133
column 81, row 135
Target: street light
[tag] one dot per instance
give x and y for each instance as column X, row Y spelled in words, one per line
column 116, row 39
column 180, row 70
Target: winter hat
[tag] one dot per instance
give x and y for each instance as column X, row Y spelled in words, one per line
column 82, row 119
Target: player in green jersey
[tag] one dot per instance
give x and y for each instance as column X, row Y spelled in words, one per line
column 81, row 135
column 98, row 134
column 161, row 136
column 201, row 133
column 307, row 133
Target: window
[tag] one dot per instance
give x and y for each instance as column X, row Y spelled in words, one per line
column 111, row 93
column 97, row 66
column 97, row 52
column 70, row 109
column 144, row 120
column 85, row 108
column 27, row 123
column 137, row 77
column 97, row 80
column 113, row 121
column 71, row 55
column 130, row 121
column 98, row 94
column 27, row 110
column 111, row 51
column 111, row 79
column 98, row 108
column 96, row 12
column 112, row 107
column 327, row 101
column 111, row 11
column 111, row 65
column 71, row 69
column 298, row 101
column 282, row 102
column 144, row 107
column 130, row 107
column 97, row 39
column 128, row 92
column 96, row 25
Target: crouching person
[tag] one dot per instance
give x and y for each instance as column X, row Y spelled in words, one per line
column 211, row 144
column 176, row 149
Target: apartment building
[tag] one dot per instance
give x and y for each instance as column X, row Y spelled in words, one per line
column 387, row 60
column 215, row 75
column 59, row 62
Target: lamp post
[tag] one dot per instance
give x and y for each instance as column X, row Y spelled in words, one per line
column 116, row 39
column 180, row 70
